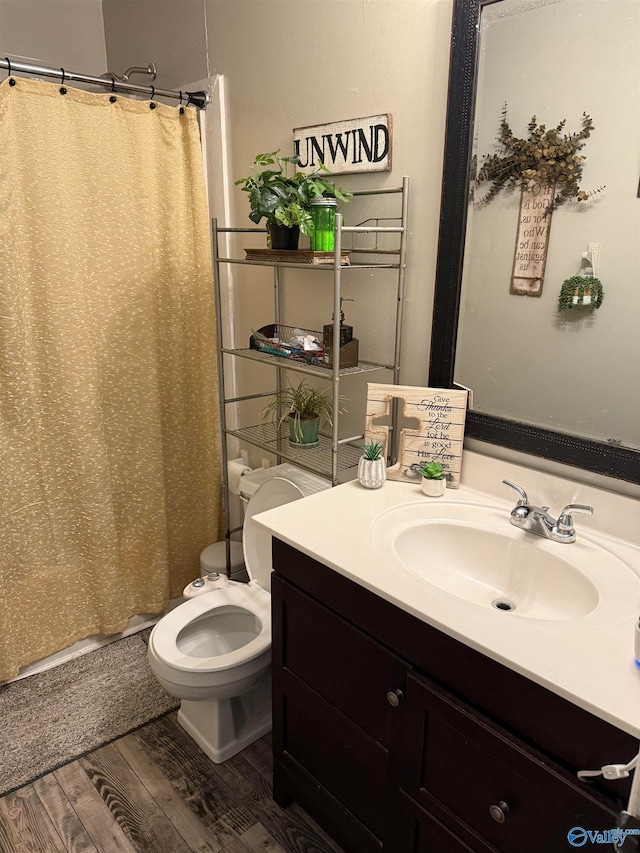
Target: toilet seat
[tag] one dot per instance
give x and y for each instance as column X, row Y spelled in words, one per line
column 256, row 542
column 213, row 651
column 248, row 597
column 173, row 662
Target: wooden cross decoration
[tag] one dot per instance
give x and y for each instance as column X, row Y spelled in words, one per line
column 437, row 415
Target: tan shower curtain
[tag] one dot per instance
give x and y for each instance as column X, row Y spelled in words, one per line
column 109, row 452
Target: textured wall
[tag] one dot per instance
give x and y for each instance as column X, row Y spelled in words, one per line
column 67, row 33
column 170, row 33
column 293, row 63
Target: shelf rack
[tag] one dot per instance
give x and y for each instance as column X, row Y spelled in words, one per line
column 333, row 456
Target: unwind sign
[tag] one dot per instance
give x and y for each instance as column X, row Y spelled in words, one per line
column 355, row 145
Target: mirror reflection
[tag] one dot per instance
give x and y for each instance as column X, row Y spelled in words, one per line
column 575, row 370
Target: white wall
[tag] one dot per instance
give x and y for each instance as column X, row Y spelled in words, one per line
column 56, row 33
column 170, row 33
column 294, row 63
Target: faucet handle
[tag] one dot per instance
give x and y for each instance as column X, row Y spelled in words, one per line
column 524, row 500
column 565, row 521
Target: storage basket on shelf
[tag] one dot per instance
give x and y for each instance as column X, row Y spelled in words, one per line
column 295, row 343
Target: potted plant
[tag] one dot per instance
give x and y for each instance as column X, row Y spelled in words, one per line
column 372, row 472
column 434, row 481
column 302, row 407
column 283, row 199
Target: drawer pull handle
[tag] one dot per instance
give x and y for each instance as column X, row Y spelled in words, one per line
column 395, row 697
column 499, row 812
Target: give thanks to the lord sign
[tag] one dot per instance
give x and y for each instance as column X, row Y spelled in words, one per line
column 344, row 147
column 430, row 422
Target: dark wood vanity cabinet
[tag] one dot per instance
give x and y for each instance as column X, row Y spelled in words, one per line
column 331, row 717
column 474, row 775
column 397, row 738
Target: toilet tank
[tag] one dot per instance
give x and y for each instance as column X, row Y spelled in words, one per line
column 307, row 482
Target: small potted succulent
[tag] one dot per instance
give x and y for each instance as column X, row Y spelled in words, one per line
column 372, row 472
column 433, row 480
column 302, row 407
column 283, row 199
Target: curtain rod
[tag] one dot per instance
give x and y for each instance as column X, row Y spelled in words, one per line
column 197, row 99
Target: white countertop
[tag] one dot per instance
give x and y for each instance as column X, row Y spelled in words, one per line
column 591, row 665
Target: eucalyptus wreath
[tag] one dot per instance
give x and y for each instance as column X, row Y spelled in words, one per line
column 580, row 286
column 547, row 157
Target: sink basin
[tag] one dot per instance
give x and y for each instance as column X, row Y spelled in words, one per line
column 473, row 553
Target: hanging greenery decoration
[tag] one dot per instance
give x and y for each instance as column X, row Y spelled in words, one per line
column 576, row 288
column 545, row 157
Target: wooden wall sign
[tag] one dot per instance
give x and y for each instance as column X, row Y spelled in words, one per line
column 532, row 241
column 431, row 426
column 345, row 147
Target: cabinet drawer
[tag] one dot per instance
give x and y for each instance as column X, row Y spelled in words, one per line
column 459, row 763
column 341, row 663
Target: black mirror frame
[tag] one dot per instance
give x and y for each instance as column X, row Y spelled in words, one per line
column 596, row 456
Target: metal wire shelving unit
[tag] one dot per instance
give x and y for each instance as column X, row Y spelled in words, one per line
column 333, row 456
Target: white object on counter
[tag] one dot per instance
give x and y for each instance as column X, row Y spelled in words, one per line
column 433, row 488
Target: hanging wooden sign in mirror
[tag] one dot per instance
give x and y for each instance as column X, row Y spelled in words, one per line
column 532, row 240
column 538, row 163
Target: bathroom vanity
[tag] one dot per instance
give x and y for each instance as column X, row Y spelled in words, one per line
column 405, row 720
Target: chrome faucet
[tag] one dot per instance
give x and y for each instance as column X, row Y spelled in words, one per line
column 536, row 519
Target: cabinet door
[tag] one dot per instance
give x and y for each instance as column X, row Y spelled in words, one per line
column 462, row 767
column 331, row 717
column 344, row 665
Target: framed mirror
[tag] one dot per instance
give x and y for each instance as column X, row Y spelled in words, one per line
column 561, row 385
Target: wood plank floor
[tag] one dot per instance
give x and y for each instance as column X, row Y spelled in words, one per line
column 154, row 790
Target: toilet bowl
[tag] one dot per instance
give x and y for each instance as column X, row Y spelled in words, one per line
column 213, row 652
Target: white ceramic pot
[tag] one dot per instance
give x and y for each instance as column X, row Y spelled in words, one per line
column 433, row 488
column 372, row 473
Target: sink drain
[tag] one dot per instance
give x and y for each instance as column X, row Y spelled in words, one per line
column 503, row 604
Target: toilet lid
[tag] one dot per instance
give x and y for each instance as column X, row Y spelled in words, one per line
column 256, row 541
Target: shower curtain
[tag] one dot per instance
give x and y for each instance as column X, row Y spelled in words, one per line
column 109, row 446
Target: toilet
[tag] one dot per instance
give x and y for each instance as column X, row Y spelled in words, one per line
column 213, row 651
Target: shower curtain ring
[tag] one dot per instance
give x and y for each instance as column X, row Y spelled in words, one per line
column 63, row 90
column 8, row 61
column 113, row 84
column 152, row 106
column 181, row 107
